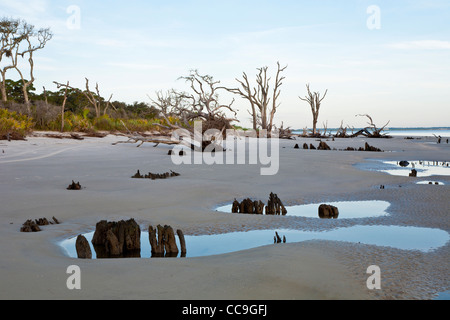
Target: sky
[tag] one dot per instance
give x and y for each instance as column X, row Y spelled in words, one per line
column 389, row 59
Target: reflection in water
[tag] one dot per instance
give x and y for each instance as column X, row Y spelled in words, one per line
column 347, row 209
column 397, row 168
column 436, row 183
column 404, row 238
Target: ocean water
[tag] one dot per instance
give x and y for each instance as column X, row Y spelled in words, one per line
column 444, row 132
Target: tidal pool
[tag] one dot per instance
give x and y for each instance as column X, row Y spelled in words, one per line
column 424, row 168
column 404, row 238
column 434, row 183
column 347, row 209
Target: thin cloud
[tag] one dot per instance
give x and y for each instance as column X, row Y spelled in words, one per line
column 422, row 45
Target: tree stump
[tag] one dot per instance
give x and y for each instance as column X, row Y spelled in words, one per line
column 328, row 212
column 246, row 207
column 74, row 186
column 277, row 238
column 170, row 243
column 112, row 244
column 413, row 173
column 236, row 206
column 275, row 206
column 83, row 248
column 323, row 146
column 259, row 207
column 182, row 242
column 127, row 234
column 30, row 226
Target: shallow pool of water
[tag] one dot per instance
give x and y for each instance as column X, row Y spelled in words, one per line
column 424, row 168
column 430, row 182
column 347, row 209
column 404, row 238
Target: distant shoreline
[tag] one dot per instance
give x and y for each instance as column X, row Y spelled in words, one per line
column 399, row 131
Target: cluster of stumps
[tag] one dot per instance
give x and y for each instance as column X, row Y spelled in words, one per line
column 123, row 240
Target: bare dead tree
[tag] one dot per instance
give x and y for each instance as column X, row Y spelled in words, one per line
column 95, row 99
column 12, row 33
column 200, row 104
column 181, row 109
column 63, row 106
column 372, row 131
column 315, row 101
column 35, row 40
column 261, row 97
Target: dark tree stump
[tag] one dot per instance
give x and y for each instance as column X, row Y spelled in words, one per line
column 74, row 186
column 127, row 234
column 323, row 146
column 170, row 243
column 275, row 206
column 83, row 248
column 328, row 212
column 182, row 242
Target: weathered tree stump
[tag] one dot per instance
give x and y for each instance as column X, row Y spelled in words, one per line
column 328, row 212
column 246, row 207
column 371, row 148
column 236, row 206
column 277, row 238
column 258, row 207
column 182, row 243
column 413, row 173
column 42, row 222
column 275, row 206
column 170, row 243
column 138, row 175
column 127, row 234
column 74, row 186
column 112, row 244
column 83, row 248
column 155, row 176
column 323, row 146
column 153, row 242
column 30, row 226
column 163, row 242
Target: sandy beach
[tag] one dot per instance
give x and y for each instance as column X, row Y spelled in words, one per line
column 34, row 175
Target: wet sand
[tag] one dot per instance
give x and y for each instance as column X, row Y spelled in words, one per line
column 34, row 175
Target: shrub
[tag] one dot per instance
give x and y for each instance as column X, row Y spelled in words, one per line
column 15, row 125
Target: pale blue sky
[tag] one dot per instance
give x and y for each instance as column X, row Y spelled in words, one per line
column 133, row 48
